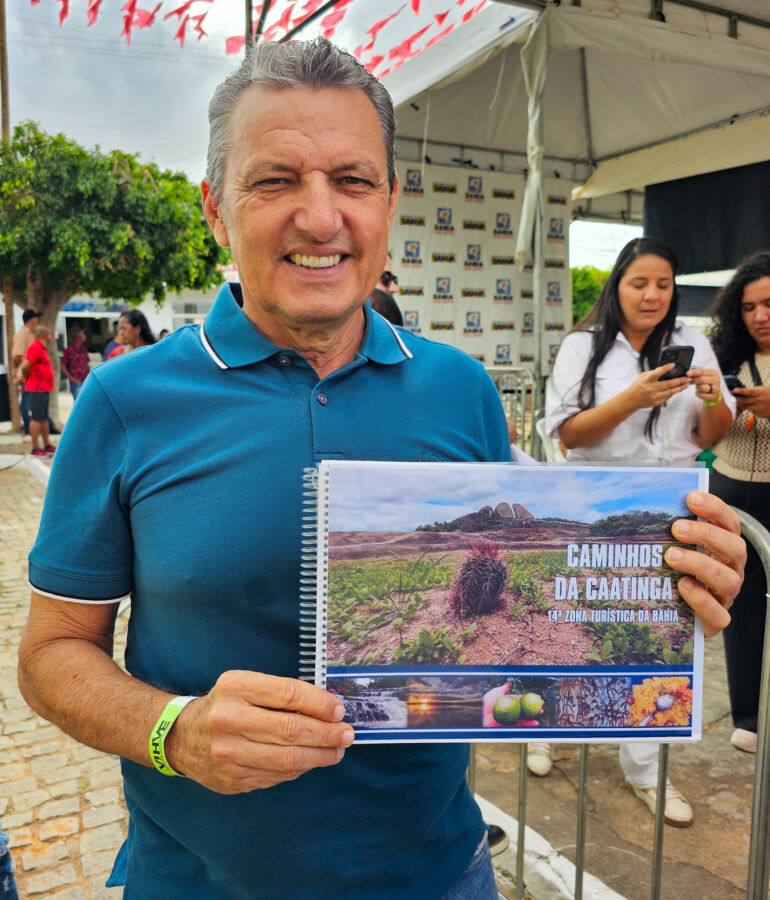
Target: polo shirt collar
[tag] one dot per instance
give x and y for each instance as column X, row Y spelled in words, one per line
column 231, row 340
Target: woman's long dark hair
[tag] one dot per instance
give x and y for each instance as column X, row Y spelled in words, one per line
column 138, row 320
column 605, row 319
column 730, row 338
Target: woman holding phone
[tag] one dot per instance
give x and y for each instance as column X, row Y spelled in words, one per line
column 608, row 400
column 741, row 475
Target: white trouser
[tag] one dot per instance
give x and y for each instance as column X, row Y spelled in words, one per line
column 639, row 761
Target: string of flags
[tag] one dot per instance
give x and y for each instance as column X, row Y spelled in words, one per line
column 379, row 56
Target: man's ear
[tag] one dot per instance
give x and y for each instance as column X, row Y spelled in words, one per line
column 213, row 213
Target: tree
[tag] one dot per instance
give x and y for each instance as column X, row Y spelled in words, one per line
column 587, row 283
column 76, row 221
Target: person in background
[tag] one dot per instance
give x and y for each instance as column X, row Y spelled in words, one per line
column 74, row 363
column 383, row 303
column 388, row 281
column 7, row 881
column 162, row 333
column 36, row 373
column 21, row 343
column 112, row 343
column 134, row 329
column 607, row 402
column 741, row 472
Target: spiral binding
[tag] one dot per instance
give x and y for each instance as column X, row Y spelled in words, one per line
column 312, row 584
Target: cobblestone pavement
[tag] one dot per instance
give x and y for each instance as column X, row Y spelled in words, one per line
column 61, row 803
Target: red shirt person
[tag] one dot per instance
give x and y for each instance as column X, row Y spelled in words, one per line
column 38, row 377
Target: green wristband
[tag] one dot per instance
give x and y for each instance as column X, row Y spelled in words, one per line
column 714, row 402
column 161, row 730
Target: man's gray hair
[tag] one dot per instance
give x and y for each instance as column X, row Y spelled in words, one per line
column 313, row 64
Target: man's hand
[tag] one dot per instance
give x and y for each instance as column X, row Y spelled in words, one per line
column 717, row 574
column 254, row 731
column 756, row 399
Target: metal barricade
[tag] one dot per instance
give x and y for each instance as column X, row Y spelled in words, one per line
column 759, row 852
column 514, row 384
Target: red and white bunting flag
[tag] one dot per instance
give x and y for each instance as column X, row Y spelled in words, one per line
column 416, row 7
column 375, row 30
column 441, row 17
column 330, row 21
column 442, row 34
column 128, row 19
column 34, row 2
column 403, row 51
column 475, row 11
column 180, row 11
column 373, row 63
column 143, row 18
column 198, row 27
column 179, row 36
column 64, row 11
column 93, row 11
column 234, row 44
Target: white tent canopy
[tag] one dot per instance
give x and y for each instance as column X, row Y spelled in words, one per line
column 628, row 100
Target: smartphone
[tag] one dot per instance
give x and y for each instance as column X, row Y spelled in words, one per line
column 733, row 382
column 681, row 356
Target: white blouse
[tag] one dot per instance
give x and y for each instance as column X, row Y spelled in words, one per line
column 673, row 440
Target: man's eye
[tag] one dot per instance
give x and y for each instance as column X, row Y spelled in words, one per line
column 355, row 181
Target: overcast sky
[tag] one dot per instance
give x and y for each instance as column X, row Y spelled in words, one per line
column 366, row 501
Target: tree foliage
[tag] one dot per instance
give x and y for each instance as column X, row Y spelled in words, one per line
column 74, row 220
column 635, row 521
column 587, row 283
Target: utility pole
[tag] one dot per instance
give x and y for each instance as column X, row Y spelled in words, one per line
column 13, row 396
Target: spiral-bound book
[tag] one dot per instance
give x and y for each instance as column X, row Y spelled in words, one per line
column 486, row 601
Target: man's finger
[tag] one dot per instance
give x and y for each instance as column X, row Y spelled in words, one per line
column 274, row 692
column 720, row 579
column 708, row 506
column 270, row 726
column 712, row 613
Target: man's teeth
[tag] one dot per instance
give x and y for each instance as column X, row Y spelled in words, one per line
column 315, row 262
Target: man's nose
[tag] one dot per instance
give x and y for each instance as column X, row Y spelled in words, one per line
column 318, row 215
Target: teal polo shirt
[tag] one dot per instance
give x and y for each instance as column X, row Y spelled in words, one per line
column 178, row 480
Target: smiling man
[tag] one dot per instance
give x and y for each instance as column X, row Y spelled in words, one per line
column 194, row 508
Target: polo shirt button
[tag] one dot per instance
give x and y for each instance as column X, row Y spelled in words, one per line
column 321, row 398
column 284, row 360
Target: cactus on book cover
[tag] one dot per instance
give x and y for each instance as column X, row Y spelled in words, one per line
column 478, row 589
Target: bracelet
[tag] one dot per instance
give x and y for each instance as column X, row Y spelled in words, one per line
column 714, row 402
column 160, row 732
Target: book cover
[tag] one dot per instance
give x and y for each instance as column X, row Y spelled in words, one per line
column 483, row 601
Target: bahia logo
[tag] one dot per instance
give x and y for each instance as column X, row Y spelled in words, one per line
column 473, row 257
column 503, row 354
column 411, row 258
column 444, row 224
column 479, row 357
column 411, row 292
column 557, row 200
column 501, row 194
column 526, row 358
column 413, row 183
column 503, row 227
column 443, row 292
column 473, row 324
column 503, row 326
column 474, row 225
column 444, row 187
column 526, row 294
column 473, row 292
column 554, row 264
column 556, row 230
column 502, row 260
column 553, row 296
column 442, row 326
column 528, row 325
column 412, row 220
column 412, row 320
column 503, row 290
column 553, row 326
column 475, row 191
column 443, row 257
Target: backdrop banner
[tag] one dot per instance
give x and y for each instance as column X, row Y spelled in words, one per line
column 452, row 244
